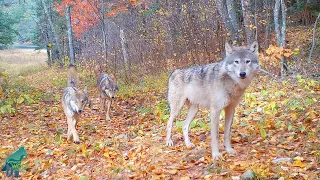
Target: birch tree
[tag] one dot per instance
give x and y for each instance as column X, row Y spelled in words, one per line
column 70, row 37
column 280, row 29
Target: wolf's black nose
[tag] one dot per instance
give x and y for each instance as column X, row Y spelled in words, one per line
column 79, row 111
column 242, row 74
column 112, row 97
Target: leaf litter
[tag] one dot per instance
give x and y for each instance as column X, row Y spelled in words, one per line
column 274, row 120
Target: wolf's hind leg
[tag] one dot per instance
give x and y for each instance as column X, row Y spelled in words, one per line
column 193, row 109
column 174, row 111
column 229, row 113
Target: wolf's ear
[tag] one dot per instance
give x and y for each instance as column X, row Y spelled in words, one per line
column 85, row 90
column 113, row 77
column 228, row 49
column 254, row 47
column 89, row 103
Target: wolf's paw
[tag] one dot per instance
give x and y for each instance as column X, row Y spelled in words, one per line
column 76, row 140
column 231, row 151
column 169, row 142
column 216, row 156
column 108, row 118
column 190, row 145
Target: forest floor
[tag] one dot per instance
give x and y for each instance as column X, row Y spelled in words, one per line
column 276, row 119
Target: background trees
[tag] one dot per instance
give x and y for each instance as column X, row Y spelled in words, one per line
column 158, row 33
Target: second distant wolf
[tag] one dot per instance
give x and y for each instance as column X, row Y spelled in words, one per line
column 107, row 88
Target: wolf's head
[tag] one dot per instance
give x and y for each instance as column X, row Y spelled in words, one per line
column 98, row 70
column 81, row 100
column 110, row 88
column 242, row 62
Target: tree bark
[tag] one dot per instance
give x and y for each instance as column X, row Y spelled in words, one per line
column 313, row 38
column 222, row 9
column 281, row 31
column 231, row 9
column 248, row 21
column 53, row 31
column 104, row 32
column 124, row 51
column 70, row 37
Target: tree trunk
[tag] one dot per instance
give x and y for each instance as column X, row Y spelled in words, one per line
column 267, row 25
column 104, row 32
column 233, row 18
column 281, row 32
column 53, row 31
column 222, row 9
column 248, row 21
column 313, row 38
column 71, row 49
column 124, row 52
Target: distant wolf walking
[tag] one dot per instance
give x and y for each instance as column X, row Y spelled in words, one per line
column 218, row 86
column 74, row 101
column 107, row 88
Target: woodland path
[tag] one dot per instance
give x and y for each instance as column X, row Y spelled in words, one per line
column 275, row 122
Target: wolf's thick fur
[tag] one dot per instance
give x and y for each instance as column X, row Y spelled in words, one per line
column 218, row 86
column 107, row 88
column 74, row 101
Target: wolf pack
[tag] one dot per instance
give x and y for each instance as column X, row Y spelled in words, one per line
column 218, row 86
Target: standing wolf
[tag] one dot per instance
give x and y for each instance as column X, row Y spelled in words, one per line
column 74, row 101
column 107, row 88
column 218, row 86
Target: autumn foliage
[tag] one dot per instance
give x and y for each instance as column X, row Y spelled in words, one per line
column 87, row 13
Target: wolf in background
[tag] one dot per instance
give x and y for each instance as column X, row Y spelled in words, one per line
column 74, row 101
column 107, row 88
column 218, row 86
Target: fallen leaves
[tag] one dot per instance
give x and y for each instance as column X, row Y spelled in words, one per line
column 275, row 120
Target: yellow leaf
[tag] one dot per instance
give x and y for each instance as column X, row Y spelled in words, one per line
column 287, row 54
column 185, row 178
column 172, row 171
column 298, row 163
column 106, row 154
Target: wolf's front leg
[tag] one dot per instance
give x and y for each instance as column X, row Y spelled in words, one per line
column 229, row 114
column 69, row 122
column 108, row 110
column 214, row 123
column 76, row 138
column 102, row 104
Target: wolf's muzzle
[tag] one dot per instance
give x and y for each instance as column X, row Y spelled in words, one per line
column 242, row 75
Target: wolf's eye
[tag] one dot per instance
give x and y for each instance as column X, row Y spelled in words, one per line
column 248, row 61
column 236, row 61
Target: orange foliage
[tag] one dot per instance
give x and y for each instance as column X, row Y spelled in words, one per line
column 84, row 13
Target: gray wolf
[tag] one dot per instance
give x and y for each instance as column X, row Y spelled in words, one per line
column 74, row 101
column 13, row 162
column 107, row 88
column 218, row 86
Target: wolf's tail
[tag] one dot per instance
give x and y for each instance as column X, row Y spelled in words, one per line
column 73, row 78
column 98, row 70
